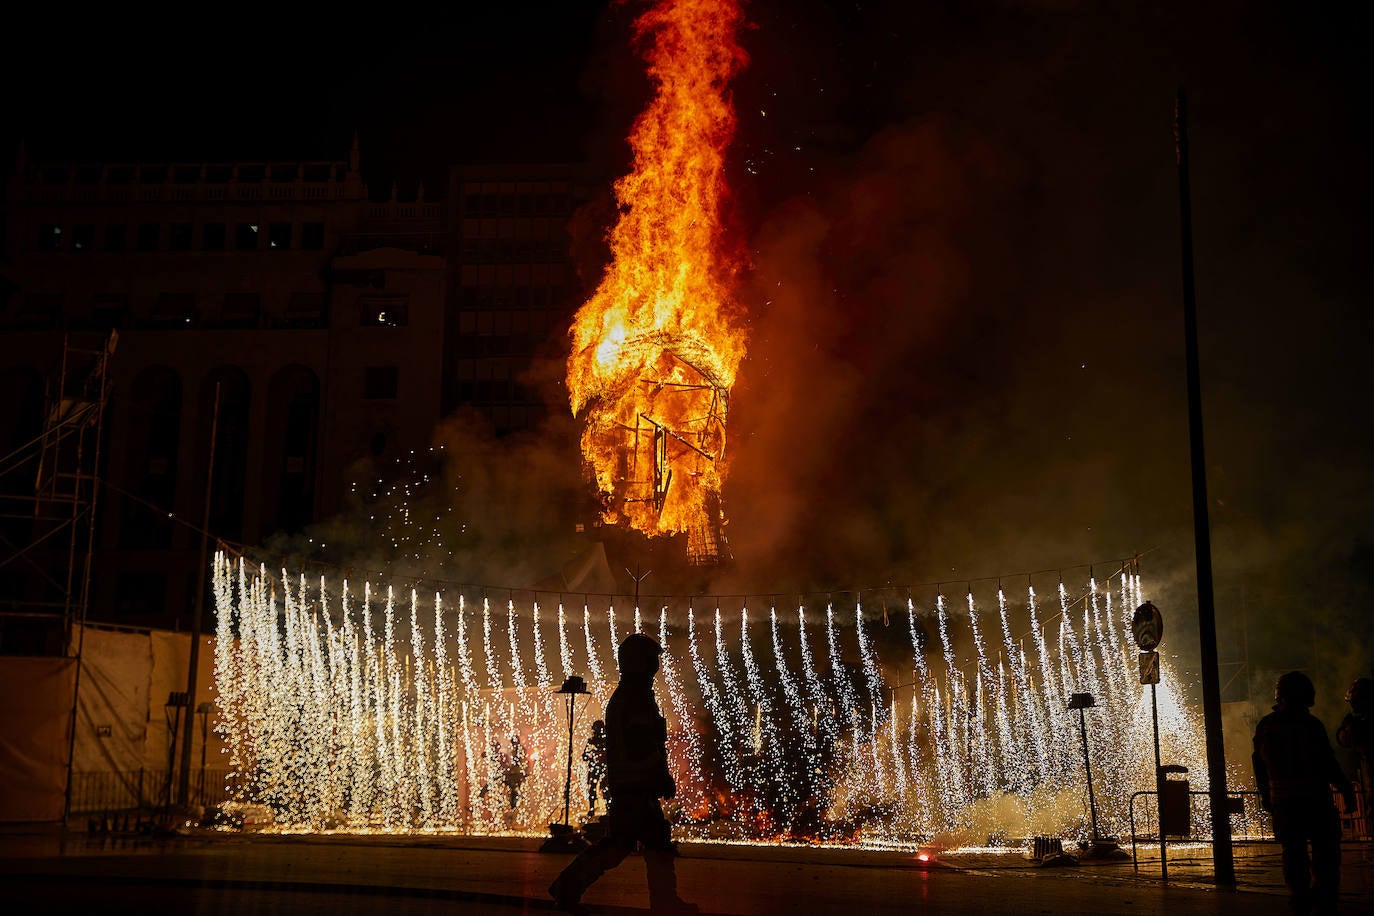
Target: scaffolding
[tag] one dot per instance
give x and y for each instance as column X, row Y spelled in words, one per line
column 58, row 511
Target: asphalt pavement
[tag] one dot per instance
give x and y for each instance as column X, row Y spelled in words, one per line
column 45, row 872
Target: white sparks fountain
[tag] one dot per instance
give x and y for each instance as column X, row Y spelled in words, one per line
column 889, row 738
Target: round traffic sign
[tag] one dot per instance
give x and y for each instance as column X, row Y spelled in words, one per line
column 1147, row 626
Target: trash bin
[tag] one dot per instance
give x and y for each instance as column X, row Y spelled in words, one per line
column 1174, row 810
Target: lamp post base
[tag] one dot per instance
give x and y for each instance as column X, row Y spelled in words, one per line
column 564, row 838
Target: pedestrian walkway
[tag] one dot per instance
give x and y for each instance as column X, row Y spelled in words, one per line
column 207, row 873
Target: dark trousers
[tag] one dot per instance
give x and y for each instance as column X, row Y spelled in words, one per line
column 1298, row 822
column 630, row 820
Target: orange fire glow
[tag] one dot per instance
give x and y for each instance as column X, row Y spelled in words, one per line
column 656, row 348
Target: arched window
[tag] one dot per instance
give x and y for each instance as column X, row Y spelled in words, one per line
column 293, row 414
column 153, row 442
column 231, row 447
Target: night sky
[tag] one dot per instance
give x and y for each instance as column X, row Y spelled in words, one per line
column 966, row 334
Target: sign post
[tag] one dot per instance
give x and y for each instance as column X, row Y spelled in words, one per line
column 1147, row 627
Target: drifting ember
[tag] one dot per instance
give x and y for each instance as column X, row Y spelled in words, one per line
column 656, row 348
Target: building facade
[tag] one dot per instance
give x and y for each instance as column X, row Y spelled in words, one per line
column 513, row 289
column 314, row 317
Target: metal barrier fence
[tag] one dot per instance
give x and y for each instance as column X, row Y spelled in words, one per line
column 1250, row 824
column 135, row 790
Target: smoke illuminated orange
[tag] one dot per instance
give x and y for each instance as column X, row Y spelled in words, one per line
column 656, row 348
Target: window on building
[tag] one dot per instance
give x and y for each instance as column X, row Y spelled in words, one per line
column 152, row 174
column 49, row 237
column 212, row 236
column 42, row 308
column 219, row 174
column 279, row 236
column 116, row 237
column 174, row 310
column 83, row 237
column 306, row 310
column 252, row 173
column 108, row 311
column 317, row 171
column 119, row 174
column 312, row 236
column 246, row 237
column 380, row 383
column 186, row 174
column 284, row 172
column 240, row 310
column 88, row 175
column 384, row 312
column 149, row 235
column 179, row 237
column 55, row 175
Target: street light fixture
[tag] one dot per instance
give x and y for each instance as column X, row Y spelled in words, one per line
column 1099, row 847
column 563, row 837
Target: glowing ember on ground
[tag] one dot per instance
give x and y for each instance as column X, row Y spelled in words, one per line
column 656, row 348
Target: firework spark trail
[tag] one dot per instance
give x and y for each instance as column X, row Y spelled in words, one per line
column 767, row 741
column 1085, row 672
column 423, row 703
column 1025, row 705
column 868, row 663
column 896, row 748
column 1113, row 650
column 565, row 658
column 517, row 670
column 815, row 693
column 448, row 794
column 849, row 704
column 808, row 765
column 1096, row 641
column 922, row 772
column 921, row 685
column 687, row 774
column 593, row 661
column 468, row 680
column 714, row 708
column 942, row 617
column 229, row 693
column 541, row 669
column 1010, row 753
column 488, row 651
column 615, row 638
column 1055, row 699
column 978, row 722
column 984, row 667
column 736, row 715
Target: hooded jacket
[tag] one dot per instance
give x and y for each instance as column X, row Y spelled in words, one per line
column 636, row 740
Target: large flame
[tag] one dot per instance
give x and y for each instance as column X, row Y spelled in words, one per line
column 656, row 348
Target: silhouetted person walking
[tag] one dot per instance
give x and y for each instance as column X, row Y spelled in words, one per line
column 636, row 778
column 1294, row 772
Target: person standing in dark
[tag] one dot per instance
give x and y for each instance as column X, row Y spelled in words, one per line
column 1356, row 733
column 1295, row 770
column 636, row 778
column 594, row 756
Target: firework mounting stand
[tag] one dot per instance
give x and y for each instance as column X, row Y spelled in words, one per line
column 1099, row 847
column 564, row 837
